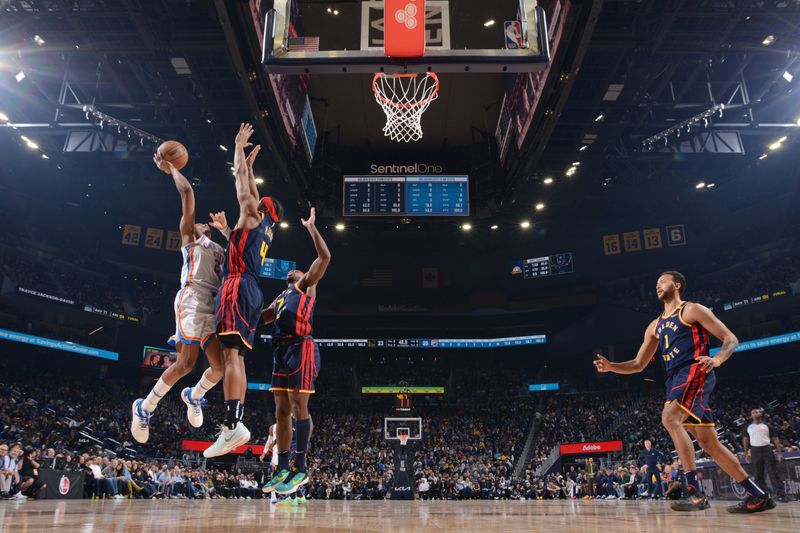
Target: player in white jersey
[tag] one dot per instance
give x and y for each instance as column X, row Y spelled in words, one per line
column 195, row 324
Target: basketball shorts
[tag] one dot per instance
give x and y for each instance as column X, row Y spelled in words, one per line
column 239, row 303
column 194, row 316
column 295, row 366
column 691, row 387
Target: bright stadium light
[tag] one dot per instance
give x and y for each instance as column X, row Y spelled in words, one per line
column 223, row 147
column 20, row 76
column 466, row 226
column 763, row 156
column 4, row 117
column 539, row 206
column 38, row 40
column 284, row 224
column 711, row 185
column 525, row 224
column 547, row 181
column 700, row 185
column 768, row 40
column 339, row 227
column 599, row 117
column 259, row 181
column 44, row 156
column 489, row 23
column 788, row 76
column 583, row 148
column 494, row 227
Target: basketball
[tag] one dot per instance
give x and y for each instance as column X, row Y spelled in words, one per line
column 175, row 153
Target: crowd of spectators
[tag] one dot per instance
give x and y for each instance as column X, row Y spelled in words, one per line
column 97, row 284
column 469, row 449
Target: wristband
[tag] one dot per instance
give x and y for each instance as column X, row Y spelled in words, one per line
column 717, row 362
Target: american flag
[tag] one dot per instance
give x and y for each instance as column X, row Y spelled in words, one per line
column 304, row 44
column 380, row 278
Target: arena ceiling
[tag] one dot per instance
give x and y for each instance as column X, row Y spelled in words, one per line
column 631, row 69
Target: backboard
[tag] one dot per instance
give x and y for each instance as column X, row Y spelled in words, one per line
column 353, row 36
column 393, row 427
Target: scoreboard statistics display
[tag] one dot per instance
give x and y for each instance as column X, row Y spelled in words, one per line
column 538, row 267
column 406, row 196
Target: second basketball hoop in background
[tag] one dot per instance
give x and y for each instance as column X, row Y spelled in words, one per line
column 404, row 98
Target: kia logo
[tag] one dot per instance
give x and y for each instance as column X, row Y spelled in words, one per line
column 407, row 16
column 402, row 489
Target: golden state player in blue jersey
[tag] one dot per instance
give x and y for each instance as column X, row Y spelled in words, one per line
column 239, row 300
column 680, row 334
column 295, row 363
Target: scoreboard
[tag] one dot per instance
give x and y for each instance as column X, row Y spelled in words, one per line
column 538, row 267
column 406, row 196
column 526, row 340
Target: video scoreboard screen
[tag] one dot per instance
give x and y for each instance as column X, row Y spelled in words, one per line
column 504, row 342
column 406, row 196
column 538, row 267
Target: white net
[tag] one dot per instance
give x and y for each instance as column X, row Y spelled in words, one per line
column 404, row 98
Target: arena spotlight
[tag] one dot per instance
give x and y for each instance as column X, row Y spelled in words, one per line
column 223, row 147
column 539, row 206
column 44, row 156
column 700, row 185
column 20, row 76
column 525, row 224
column 599, row 117
column 711, row 185
column 788, row 76
column 547, row 181
column 797, row 121
column 489, row 23
column 768, row 40
column 763, row 156
column 4, row 117
column 466, row 226
column 284, row 224
column 38, row 40
column 339, row 226
column 259, row 181
column 583, row 148
column 494, row 227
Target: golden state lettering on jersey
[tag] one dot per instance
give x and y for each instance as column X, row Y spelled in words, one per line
column 679, row 342
column 294, row 313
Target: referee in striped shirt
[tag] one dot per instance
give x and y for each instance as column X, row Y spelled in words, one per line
column 757, row 441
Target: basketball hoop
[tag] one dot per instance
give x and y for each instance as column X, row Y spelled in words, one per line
column 403, row 439
column 404, row 98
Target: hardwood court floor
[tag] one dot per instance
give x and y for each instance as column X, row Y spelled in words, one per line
column 228, row 516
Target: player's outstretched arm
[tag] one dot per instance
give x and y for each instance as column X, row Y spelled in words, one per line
column 220, row 223
column 251, row 177
column 639, row 363
column 320, row 264
column 696, row 313
column 268, row 314
column 248, row 204
column 187, row 198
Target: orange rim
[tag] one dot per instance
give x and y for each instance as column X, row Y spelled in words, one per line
column 386, row 101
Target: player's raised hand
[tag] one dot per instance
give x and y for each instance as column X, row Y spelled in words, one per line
column 312, row 219
column 252, row 156
column 218, row 220
column 243, row 137
column 162, row 164
column 601, row 363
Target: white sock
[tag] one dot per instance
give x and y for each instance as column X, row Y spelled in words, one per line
column 158, row 392
column 203, row 386
column 274, row 498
